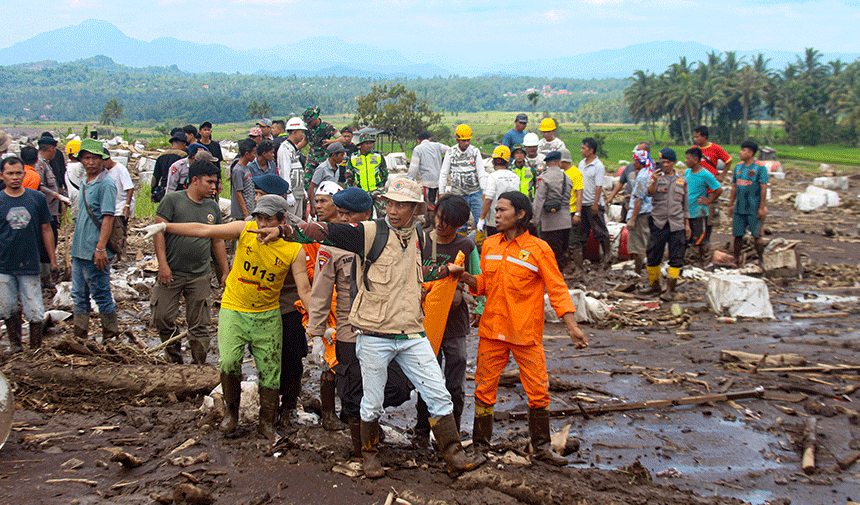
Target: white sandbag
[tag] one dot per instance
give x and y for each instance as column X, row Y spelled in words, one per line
column 56, row 316
column 808, row 202
column 739, row 296
column 224, row 205
column 832, row 196
column 63, row 298
column 588, row 309
column 615, row 229
column 396, row 162
column 832, row 183
column 613, row 214
column 122, row 160
column 120, row 152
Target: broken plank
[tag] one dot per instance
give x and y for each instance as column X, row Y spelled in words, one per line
column 812, row 369
column 78, row 481
column 819, row 315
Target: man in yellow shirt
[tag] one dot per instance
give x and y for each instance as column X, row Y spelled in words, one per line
column 575, row 175
column 250, row 311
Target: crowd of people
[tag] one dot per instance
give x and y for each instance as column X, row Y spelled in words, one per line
column 302, row 259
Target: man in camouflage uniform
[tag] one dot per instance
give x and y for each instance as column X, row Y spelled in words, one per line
column 318, row 137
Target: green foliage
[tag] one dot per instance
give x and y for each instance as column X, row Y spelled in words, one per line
column 112, row 112
column 601, row 145
column 396, row 110
column 125, row 135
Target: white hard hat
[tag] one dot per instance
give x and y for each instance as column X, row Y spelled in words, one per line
column 296, row 123
column 530, row 140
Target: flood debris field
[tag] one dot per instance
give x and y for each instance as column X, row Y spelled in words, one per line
column 671, row 404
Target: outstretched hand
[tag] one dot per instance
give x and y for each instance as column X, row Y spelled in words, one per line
column 266, row 235
column 151, row 230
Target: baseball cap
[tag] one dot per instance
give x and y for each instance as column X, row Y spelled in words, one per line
column 404, row 190
column 335, row 147
column 205, row 155
column 179, row 137
column 565, row 155
column 522, row 118
column 255, row 132
column 269, row 205
column 265, row 122
column 328, row 188
column 366, row 138
column 353, row 200
column 271, row 184
column 311, row 113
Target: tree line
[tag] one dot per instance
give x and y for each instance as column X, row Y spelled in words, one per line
column 816, row 101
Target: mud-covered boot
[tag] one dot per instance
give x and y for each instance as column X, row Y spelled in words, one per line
column 268, row 410
column 355, row 435
column 606, row 260
column 36, row 331
column 329, row 419
column 13, row 329
column 669, row 294
column 638, row 264
column 231, row 387
column 576, row 257
column 482, row 429
column 173, row 352
column 448, row 440
column 421, row 431
column 539, row 431
column 110, row 326
column 370, row 450
column 290, row 391
column 654, row 281
column 81, row 321
column 199, row 349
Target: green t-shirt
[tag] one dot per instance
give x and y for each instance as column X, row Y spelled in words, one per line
column 188, row 256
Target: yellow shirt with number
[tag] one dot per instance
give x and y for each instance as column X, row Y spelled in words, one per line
column 258, row 272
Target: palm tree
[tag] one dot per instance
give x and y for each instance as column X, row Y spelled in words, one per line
column 112, row 112
column 750, row 86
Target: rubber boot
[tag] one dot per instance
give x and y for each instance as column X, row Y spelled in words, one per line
column 638, row 264
column 576, row 257
column 36, row 331
column 231, row 386
column 607, row 253
column 199, row 349
column 370, row 450
column 482, row 428
column 268, row 410
column 330, row 422
column 539, row 431
column 81, row 325
column 173, row 352
column 669, row 294
column 355, row 435
column 448, row 440
column 290, row 391
column 13, row 329
column 654, row 280
column 110, row 326
column 421, row 432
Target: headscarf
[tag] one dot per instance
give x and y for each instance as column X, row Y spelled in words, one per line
column 328, row 188
column 644, row 157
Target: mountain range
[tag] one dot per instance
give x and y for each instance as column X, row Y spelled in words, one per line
column 331, row 56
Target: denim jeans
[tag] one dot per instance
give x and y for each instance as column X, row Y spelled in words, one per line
column 415, row 356
column 88, row 280
column 27, row 289
column 476, row 204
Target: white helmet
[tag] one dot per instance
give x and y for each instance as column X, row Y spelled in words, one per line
column 530, row 140
column 296, row 123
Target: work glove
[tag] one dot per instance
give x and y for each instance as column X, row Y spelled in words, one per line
column 318, row 352
column 291, row 200
column 480, row 225
column 151, row 230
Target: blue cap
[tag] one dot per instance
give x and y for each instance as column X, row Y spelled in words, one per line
column 667, row 153
column 271, row 184
column 353, row 200
column 552, row 156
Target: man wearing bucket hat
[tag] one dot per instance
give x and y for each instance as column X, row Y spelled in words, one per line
column 90, row 254
column 388, row 317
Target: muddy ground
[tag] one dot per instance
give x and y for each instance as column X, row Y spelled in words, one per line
column 77, row 408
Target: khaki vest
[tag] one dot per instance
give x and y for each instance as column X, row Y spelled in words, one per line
column 392, row 305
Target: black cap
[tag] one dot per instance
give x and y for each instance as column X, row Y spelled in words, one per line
column 47, row 141
column 522, row 118
column 553, row 156
column 179, row 137
column 667, row 153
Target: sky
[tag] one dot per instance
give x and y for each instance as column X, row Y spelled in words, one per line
column 471, row 31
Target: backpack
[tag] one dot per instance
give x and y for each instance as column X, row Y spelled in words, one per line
column 374, row 253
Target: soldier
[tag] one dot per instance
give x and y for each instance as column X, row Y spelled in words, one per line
column 317, row 138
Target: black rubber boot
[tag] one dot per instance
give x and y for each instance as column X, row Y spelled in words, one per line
column 539, row 431
column 448, row 440
column 329, row 419
column 199, row 350
column 370, row 450
column 482, row 428
column 173, row 352
column 110, row 326
column 13, row 329
column 606, row 259
column 231, row 387
column 355, row 435
column 669, row 294
column 81, row 325
column 36, row 330
column 268, row 410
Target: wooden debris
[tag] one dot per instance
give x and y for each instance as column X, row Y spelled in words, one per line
column 192, row 495
column 78, row 481
column 127, row 460
column 41, row 438
column 189, row 460
column 812, row 369
column 184, row 445
column 647, row 404
column 846, row 461
column 72, row 464
column 809, row 441
column 120, row 485
column 762, row 359
column 191, row 478
column 819, row 315
column 161, row 498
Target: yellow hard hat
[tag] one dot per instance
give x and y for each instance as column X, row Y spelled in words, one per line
column 73, row 147
column 463, row 132
column 502, row 152
column 547, row 125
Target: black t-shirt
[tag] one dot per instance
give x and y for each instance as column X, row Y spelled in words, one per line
column 162, row 167
column 458, row 316
column 58, row 166
column 21, row 220
column 215, row 150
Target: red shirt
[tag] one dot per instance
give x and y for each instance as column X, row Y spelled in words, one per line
column 712, row 153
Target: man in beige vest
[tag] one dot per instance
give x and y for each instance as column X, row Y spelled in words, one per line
column 387, row 316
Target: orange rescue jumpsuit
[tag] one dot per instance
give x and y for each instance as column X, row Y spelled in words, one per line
column 514, row 276
column 311, row 251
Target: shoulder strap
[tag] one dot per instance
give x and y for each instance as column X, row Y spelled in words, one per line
column 83, row 192
column 379, row 241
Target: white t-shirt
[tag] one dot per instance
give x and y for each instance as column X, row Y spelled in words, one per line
column 123, row 183
column 498, row 182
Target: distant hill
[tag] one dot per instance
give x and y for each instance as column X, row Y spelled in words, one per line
column 332, row 56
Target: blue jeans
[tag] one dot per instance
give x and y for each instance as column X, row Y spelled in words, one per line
column 415, row 356
column 27, row 289
column 476, row 204
column 88, row 280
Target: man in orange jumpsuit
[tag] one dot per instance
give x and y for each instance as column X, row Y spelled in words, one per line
column 516, row 268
